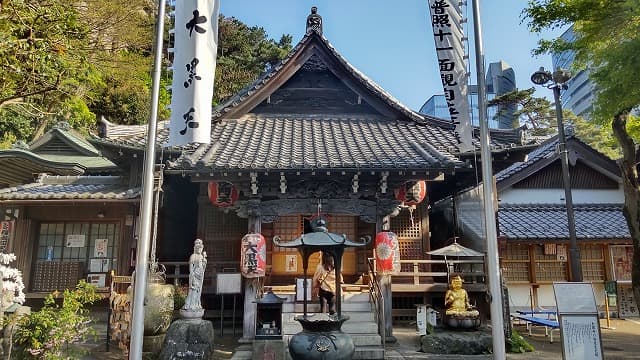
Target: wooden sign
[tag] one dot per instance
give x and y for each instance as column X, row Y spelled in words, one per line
column 229, row 283
column 626, row 304
column 6, row 233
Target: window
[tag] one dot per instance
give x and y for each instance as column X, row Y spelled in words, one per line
column 592, row 261
column 80, row 242
column 515, row 263
column 548, row 267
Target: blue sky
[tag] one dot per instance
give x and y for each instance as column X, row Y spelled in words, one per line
column 391, row 41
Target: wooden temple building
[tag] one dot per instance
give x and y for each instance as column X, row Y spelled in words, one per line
column 311, row 136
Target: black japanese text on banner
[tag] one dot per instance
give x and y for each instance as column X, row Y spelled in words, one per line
column 194, row 68
column 446, row 20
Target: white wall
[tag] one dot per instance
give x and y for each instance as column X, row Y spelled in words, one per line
column 556, row 196
column 519, row 296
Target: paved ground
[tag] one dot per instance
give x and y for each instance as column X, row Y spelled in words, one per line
column 623, row 342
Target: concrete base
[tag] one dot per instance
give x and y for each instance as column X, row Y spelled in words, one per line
column 456, row 342
column 268, row 350
column 188, row 339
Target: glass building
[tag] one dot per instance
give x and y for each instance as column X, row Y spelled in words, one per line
column 580, row 92
column 501, row 79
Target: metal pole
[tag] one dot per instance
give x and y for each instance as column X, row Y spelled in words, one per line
column 146, row 204
column 497, row 322
column 574, row 252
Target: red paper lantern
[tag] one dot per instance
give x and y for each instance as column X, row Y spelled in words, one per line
column 412, row 192
column 253, row 255
column 222, row 193
column 387, row 253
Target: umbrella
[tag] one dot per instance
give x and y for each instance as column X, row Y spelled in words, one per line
column 454, row 249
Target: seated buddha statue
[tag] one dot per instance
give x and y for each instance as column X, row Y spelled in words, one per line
column 456, row 300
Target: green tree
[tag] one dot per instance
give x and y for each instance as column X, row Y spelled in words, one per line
column 608, row 43
column 244, row 52
column 535, row 112
column 71, row 59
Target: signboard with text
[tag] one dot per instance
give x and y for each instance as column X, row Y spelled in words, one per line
column 578, row 320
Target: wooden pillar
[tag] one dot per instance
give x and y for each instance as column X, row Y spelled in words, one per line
column 384, row 282
column 250, row 291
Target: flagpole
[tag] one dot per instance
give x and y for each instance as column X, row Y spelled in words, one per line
column 495, row 285
column 146, row 204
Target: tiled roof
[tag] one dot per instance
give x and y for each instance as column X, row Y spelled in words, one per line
column 49, row 187
column 549, row 222
column 288, row 141
column 321, row 127
column 546, row 150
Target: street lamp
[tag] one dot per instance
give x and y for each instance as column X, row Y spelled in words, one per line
column 558, row 80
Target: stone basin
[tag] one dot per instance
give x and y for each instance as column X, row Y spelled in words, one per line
column 462, row 322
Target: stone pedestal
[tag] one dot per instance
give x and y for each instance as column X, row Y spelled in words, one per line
column 188, row 339
column 456, row 342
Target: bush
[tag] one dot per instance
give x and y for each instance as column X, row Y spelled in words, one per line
column 48, row 332
column 519, row 344
column 179, row 297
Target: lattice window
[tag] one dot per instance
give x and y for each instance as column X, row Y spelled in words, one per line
column 410, row 250
column 401, row 225
column 592, row 261
column 223, row 234
column 343, row 224
column 288, row 228
column 548, row 267
column 515, row 263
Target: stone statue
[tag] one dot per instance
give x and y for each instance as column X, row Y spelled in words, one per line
column 456, row 300
column 197, row 264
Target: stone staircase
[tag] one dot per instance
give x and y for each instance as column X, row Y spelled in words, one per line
column 361, row 325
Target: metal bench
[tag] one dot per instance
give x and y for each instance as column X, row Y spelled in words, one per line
column 549, row 325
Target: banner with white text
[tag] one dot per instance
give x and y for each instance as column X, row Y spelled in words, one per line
column 446, row 20
column 194, row 68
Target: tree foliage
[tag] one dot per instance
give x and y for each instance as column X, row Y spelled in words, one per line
column 48, row 332
column 537, row 113
column 72, row 59
column 244, row 52
column 608, row 44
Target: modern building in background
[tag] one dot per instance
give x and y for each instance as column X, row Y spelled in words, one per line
column 501, row 79
column 580, row 92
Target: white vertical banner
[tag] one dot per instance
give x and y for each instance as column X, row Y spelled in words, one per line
column 194, row 68
column 446, row 20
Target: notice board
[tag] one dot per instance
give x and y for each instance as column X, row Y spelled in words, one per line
column 578, row 320
column 581, row 337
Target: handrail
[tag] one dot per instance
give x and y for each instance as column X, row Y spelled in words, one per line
column 378, row 300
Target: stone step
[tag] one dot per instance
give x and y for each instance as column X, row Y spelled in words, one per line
column 315, row 307
column 358, row 339
column 354, row 327
column 353, row 316
column 369, row 353
column 346, row 297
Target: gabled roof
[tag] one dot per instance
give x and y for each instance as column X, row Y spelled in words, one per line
column 60, row 151
column 48, row 187
column 544, row 222
column 247, row 135
column 547, row 154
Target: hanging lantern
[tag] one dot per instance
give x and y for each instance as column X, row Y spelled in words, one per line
column 222, row 193
column 412, row 192
column 253, row 255
column 387, row 253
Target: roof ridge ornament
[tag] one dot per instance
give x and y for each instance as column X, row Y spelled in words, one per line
column 314, row 21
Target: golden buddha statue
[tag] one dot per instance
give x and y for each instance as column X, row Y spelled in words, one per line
column 456, row 300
